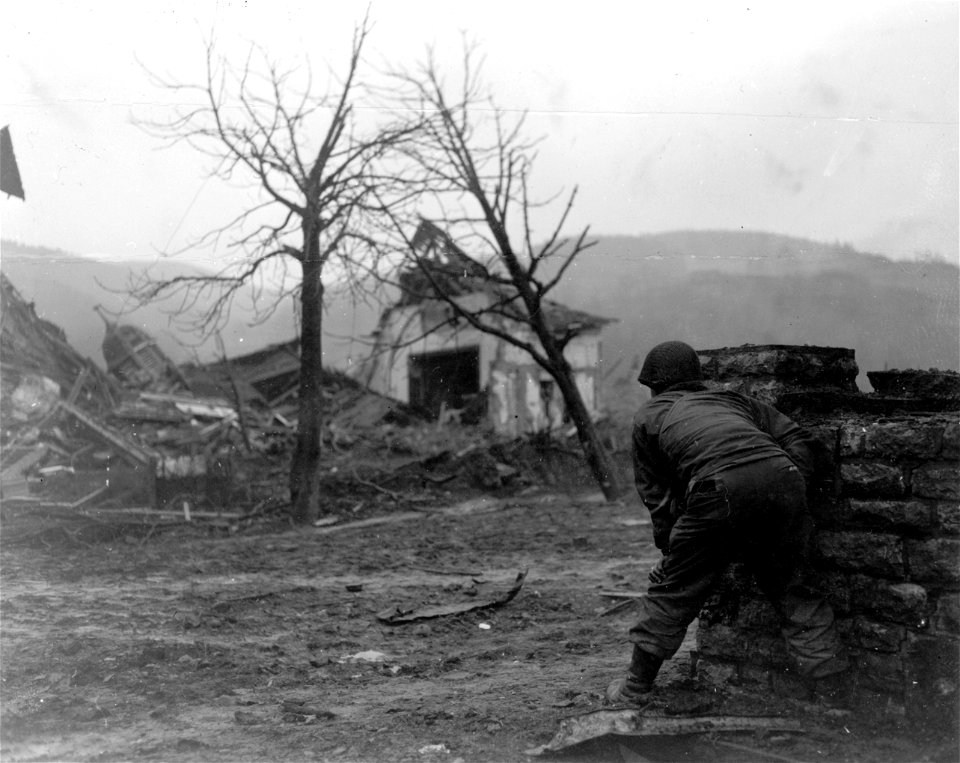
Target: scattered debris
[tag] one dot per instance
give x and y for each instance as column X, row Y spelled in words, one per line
column 430, row 749
column 388, row 519
column 34, row 397
column 31, row 345
column 306, row 709
column 246, row 718
column 398, row 616
column 450, row 571
column 368, row 656
column 582, row 728
column 149, row 443
column 133, row 356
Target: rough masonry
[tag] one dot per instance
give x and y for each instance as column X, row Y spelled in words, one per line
column 887, row 548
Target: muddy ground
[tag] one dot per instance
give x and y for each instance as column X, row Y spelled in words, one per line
column 263, row 644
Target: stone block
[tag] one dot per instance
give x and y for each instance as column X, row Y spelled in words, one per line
column 826, row 437
column 823, row 484
column 880, row 706
column 940, row 479
column 721, row 607
column 715, row 673
column 878, row 637
column 875, row 553
column 852, row 440
column 934, row 560
column 837, row 590
column 758, row 616
column 948, row 517
column 752, row 674
column 767, row 650
column 723, row 642
column 803, row 366
column 951, row 440
column 890, row 515
column 931, row 666
column 738, row 579
column 903, row 438
column 871, row 479
column 786, row 683
column 946, row 614
column 917, row 383
column 880, row 671
column 844, row 626
column 905, row 603
column 720, row 642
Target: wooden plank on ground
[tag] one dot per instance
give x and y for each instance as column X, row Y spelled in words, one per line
column 402, row 516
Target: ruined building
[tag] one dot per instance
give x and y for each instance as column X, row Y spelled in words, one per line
column 426, row 356
column 133, row 356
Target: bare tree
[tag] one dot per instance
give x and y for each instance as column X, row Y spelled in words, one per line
column 314, row 168
column 476, row 162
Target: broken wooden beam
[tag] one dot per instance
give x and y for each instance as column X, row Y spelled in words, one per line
column 633, row 722
column 136, row 452
column 389, row 519
column 80, row 502
column 398, row 616
column 167, row 514
column 306, row 709
column 395, row 496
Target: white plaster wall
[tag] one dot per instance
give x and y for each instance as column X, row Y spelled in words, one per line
column 512, row 378
column 502, row 392
column 584, row 351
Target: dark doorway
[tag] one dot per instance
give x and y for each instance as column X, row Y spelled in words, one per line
column 445, row 379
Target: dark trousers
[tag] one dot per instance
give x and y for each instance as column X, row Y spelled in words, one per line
column 755, row 513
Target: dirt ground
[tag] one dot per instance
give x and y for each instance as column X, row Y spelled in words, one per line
column 264, row 645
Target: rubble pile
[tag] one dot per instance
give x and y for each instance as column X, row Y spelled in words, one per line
column 151, row 441
column 82, row 446
column 31, row 347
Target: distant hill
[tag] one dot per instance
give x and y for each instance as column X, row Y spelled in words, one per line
column 719, row 288
column 65, row 288
column 709, row 288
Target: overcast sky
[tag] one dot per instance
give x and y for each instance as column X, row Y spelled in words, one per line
column 834, row 121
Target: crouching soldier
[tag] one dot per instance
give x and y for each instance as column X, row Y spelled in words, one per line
column 723, row 476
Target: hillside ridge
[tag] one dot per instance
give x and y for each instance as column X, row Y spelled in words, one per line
column 711, row 288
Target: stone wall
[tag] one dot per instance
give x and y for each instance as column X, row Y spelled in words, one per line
column 886, row 500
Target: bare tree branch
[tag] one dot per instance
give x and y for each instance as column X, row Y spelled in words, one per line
column 315, row 167
column 477, row 163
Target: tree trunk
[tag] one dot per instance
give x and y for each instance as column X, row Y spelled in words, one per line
column 305, row 469
column 601, row 464
column 602, row 467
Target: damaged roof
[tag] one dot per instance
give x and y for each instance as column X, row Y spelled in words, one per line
column 447, row 265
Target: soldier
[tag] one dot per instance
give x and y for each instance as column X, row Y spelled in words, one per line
column 724, row 477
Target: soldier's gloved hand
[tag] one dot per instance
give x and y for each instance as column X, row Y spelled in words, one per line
column 661, row 539
column 656, row 575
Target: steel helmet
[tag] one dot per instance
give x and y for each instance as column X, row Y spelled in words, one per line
column 670, row 363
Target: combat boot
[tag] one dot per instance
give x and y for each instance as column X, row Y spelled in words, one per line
column 635, row 687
